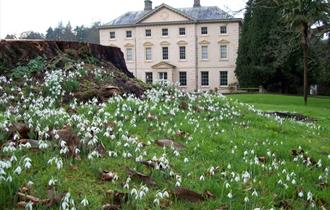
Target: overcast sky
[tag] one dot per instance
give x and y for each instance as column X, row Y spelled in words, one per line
column 17, row 16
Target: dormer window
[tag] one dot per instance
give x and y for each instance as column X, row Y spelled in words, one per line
column 128, row 34
column 165, row 32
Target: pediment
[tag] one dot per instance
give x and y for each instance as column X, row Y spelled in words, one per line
column 205, row 42
column 128, row 45
column 181, row 42
column 163, row 65
column 164, row 43
column 164, row 13
column 223, row 41
column 148, row 44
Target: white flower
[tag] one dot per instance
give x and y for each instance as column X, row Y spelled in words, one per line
column 186, row 160
column 230, row 195
column 201, row 178
column 254, row 193
column 309, row 196
column 18, row 170
column 246, row 199
column 156, row 202
column 84, row 202
column 301, row 194
column 52, row 182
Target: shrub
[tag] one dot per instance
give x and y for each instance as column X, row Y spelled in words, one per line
column 32, row 67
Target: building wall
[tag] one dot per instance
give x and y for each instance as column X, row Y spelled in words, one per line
column 193, row 32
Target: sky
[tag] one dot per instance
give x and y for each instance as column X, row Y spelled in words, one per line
column 17, row 16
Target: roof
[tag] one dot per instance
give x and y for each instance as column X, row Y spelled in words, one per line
column 197, row 14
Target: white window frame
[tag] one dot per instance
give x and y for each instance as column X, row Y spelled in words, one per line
column 184, row 29
column 207, row 31
column 110, row 35
column 221, row 57
column 129, row 54
column 145, row 33
column 147, row 74
column 163, row 29
column 163, row 76
column 185, row 78
column 204, row 54
column 148, row 54
column 184, row 53
column 131, row 33
column 202, row 79
column 220, row 78
column 221, row 30
column 165, row 53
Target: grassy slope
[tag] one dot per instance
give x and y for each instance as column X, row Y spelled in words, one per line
column 246, row 133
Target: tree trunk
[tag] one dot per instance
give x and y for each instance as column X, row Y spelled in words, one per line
column 305, row 49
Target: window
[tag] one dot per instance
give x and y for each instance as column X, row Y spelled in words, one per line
column 223, row 52
column 129, row 54
column 162, row 75
column 205, row 54
column 165, row 32
column 204, row 30
column 165, row 53
column 149, row 77
column 182, row 31
column 182, row 53
column 148, row 54
column 183, row 78
column 148, row 32
column 128, row 34
column 223, row 78
column 223, row 29
column 205, row 78
column 112, row 35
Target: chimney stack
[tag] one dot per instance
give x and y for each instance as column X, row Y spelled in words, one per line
column 197, row 3
column 147, row 5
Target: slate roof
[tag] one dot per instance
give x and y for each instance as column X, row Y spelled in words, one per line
column 195, row 13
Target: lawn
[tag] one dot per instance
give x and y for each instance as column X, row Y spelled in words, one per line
column 230, row 154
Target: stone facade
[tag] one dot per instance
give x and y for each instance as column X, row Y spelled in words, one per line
column 200, row 36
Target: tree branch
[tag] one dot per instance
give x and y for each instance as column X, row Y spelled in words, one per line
column 320, row 30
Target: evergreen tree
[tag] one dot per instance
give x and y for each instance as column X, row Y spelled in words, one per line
column 255, row 63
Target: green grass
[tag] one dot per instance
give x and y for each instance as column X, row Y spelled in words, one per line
column 217, row 136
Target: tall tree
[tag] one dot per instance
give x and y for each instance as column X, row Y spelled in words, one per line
column 254, row 63
column 50, row 34
column 311, row 20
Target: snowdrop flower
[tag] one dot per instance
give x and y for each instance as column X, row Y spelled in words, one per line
column 27, row 162
column 230, row 195
column 156, row 202
column 201, row 178
column 186, row 160
column 52, row 182
column 309, row 196
column 254, row 193
column 246, row 199
column 301, row 194
column 18, row 170
column 84, row 202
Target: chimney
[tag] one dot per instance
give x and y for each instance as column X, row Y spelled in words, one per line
column 147, row 5
column 197, row 3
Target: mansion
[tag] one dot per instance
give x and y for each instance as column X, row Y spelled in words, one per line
column 194, row 47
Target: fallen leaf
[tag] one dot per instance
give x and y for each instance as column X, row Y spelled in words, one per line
column 111, row 207
column 141, row 177
column 107, row 175
column 187, row 195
